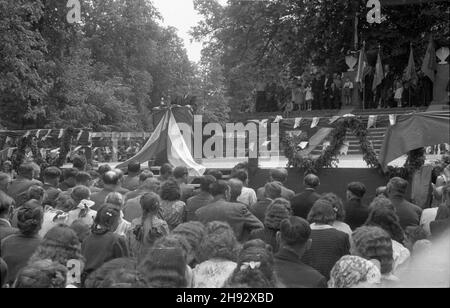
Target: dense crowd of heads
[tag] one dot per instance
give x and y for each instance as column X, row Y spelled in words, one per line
column 111, row 228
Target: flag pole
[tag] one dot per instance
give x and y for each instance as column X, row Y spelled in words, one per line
column 362, row 81
column 409, row 87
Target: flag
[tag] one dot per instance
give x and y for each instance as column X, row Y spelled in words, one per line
column 372, row 121
column 410, row 71
column 314, row 122
column 334, row 119
column 429, row 63
column 362, row 65
column 297, row 122
column 392, row 119
column 379, row 74
column 278, row 119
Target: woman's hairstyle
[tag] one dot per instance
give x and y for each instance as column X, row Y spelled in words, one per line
column 60, row 244
column 322, row 212
column 374, row 243
column 255, row 265
column 164, row 268
column 42, row 274
column 170, row 191
column 219, row 242
column 276, row 212
column 96, row 278
column 150, row 204
column 107, row 219
column 115, row 198
column 386, row 219
column 174, row 241
column 80, row 193
column 381, row 201
column 29, row 218
column 193, row 232
column 65, row 203
column 338, row 205
column 82, row 229
column 36, row 192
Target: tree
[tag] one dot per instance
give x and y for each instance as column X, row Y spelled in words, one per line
column 270, row 38
column 22, row 61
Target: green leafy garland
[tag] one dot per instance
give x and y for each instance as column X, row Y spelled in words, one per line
column 69, row 133
column 329, row 157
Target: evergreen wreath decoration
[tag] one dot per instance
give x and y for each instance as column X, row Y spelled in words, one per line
column 69, row 133
column 329, row 157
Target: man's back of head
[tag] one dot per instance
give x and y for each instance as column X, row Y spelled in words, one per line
column 205, row 183
column 180, row 173
column 151, row 185
column 111, row 178
column 279, row 175
column 236, row 186
column 272, row 190
column 26, row 171
column 220, row 188
column 311, row 181
column 83, row 178
column 146, row 174
column 103, row 169
column 241, row 175
column 134, row 168
column 397, row 187
column 79, row 162
column 294, row 232
column 52, row 175
column 217, row 174
column 166, row 170
column 357, row 189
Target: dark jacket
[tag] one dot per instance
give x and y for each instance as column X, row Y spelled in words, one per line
column 186, row 192
column 236, row 214
column 408, row 213
column 302, row 203
column 286, row 193
column 293, row 273
column 355, row 213
column 328, row 246
column 259, row 208
column 131, row 182
column 439, row 227
column 267, row 235
column 99, row 198
column 16, row 250
column 196, row 202
column 20, row 186
column 101, row 248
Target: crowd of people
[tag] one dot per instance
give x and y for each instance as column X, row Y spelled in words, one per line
column 109, row 228
column 323, row 90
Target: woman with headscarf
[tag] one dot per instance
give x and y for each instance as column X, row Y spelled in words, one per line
column 354, row 272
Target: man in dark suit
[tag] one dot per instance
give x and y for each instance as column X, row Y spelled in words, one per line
column 277, row 175
column 110, row 184
column 24, row 180
column 355, row 212
column 408, row 213
column 6, row 206
column 181, row 177
column 294, row 239
column 51, row 182
column 302, row 203
column 203, row 198
column 236, row 214
column 272, row 191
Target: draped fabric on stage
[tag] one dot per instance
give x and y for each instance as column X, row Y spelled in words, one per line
column 414, row 131
column 167, row 140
